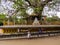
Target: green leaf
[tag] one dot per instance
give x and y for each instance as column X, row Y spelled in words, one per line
column 2, row 16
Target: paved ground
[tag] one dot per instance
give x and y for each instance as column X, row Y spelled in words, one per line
column 40, row 41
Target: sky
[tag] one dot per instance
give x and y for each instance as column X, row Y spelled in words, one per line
column 8, row 6
column 53, row 11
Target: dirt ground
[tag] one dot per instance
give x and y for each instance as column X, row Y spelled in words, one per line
column 40, row 41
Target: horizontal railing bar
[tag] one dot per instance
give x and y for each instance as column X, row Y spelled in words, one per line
column 30, row 26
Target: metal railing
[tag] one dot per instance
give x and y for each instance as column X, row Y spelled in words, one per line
column 29, row 34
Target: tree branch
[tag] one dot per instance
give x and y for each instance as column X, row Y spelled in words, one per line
column 41, row 2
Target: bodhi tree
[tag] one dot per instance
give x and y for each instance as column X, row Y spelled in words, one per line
column 35, row 7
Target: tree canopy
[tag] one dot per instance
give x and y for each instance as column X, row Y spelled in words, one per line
column 36, row 5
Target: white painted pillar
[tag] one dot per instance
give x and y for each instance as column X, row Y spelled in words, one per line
column 28, row 35
column 18, row 30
